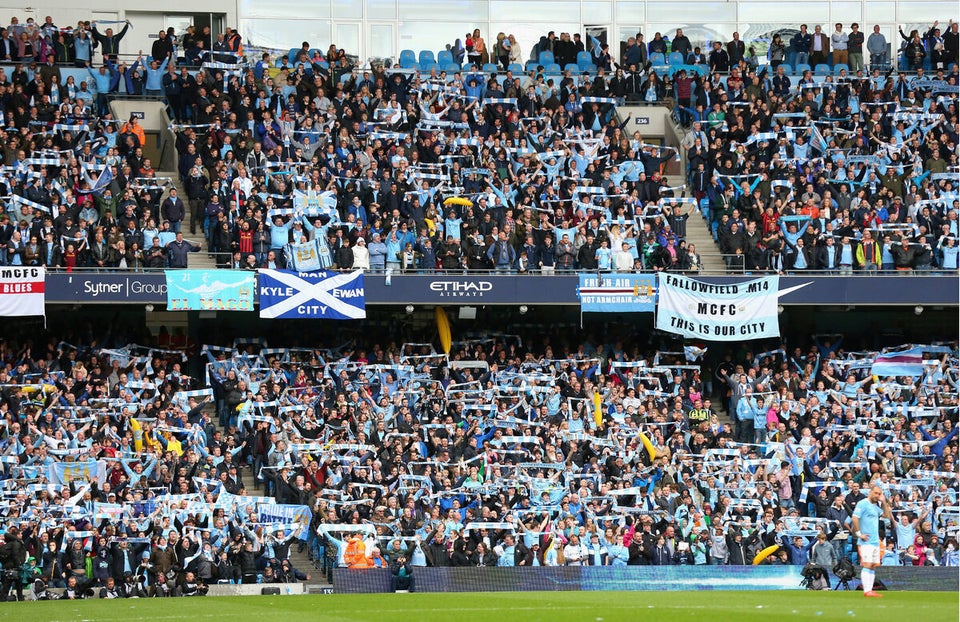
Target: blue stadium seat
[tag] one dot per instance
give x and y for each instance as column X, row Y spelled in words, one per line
column 489, row 68
column 292, row 54
column 531, row 65
column 786, row 68
column 444, row 57
column 451, row 67
column 657, row 59
column 426, row 58
column 575, row 68
column 585, row 61
column 553, row 68
column 675, row 58
column 801, row 67
column 822, row 69
column 839, row 66
column 407, row 59
column 431, row 66
column 545, row 58
column 515, row 68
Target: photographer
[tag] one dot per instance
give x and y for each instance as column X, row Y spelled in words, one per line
column 12, row 556
column 401, row 575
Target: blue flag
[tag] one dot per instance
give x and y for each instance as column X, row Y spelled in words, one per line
column 321, row 294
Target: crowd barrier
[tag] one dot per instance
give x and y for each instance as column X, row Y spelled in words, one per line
column 484, row 288
column 627, row 578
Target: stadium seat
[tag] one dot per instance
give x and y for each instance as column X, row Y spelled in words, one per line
column 575, row 68
column 786, row 68
column 531, row 65
column 801, row 67
column 553, row 68
column 490, row 68
column 657, row 59
column 426, row 58
column 545, row 58
column 407, row 59
column 292, row 54
column 451, row 67
column 444, row 57
column 840, row 66
column 675, row 58
column 515, row 68
column 585, row 61
column 821, row 69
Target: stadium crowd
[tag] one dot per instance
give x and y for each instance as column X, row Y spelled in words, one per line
column 309, row 156
column 122, row 475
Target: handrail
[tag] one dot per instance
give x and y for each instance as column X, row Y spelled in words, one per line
column 933, row 272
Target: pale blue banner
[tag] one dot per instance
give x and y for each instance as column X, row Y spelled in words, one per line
column 210, row 290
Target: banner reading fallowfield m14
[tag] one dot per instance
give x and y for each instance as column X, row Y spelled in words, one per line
column 319, row 295
column 731, row 312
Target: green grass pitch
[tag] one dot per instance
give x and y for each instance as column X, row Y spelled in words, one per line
column 802, row 606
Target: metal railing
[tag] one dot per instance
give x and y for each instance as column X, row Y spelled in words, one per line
column 932, row 272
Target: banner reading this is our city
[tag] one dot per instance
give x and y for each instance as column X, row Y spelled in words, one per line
column 730, row 312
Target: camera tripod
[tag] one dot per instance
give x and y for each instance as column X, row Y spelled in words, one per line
column 843, row 582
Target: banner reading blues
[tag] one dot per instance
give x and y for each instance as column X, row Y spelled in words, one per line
column 731, row 312
column 617, row 293
column 210, row 290
column 321, row 295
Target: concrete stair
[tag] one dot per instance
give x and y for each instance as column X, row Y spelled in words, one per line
column 317, row 582
column 200, row 260
column 698, row 233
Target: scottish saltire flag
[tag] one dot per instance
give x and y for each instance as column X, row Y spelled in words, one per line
column 319, row 295
column 902, row 363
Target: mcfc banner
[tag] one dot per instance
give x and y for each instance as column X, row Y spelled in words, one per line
column 319, row 295
column 713, row 312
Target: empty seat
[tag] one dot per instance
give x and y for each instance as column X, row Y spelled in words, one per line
column 839, row 67
column 585, row 61
column 407, row 59
column 546, row 58
column 822, row 69
column 675, row 58
column 426, row 58
column 657, row 59
column 801, row 67
column 444, row 57
column 490, row 68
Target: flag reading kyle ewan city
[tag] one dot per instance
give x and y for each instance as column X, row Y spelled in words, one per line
column 328, row 295
column 718, row 312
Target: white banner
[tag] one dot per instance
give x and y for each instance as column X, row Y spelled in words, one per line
column 729, row 312
column 21, row 290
